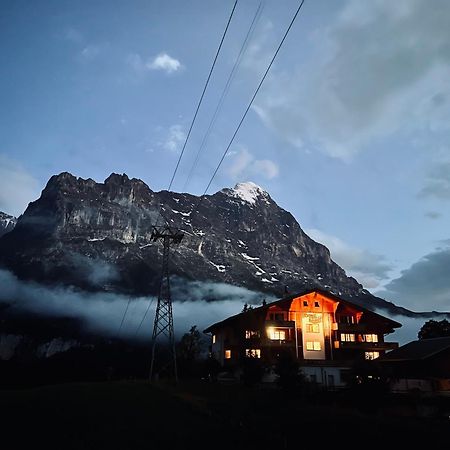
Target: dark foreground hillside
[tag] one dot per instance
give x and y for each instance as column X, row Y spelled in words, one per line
column 137, row 415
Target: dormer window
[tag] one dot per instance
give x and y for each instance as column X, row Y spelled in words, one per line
column 305, row 302
column 316, row 304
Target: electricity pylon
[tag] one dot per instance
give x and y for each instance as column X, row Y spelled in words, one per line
column 163, row 324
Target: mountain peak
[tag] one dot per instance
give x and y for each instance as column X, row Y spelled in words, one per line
column 248, row 191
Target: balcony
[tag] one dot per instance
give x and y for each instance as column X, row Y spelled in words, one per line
column 350, row 327
column 368, row 346
column 280, row 323
column 278, row 343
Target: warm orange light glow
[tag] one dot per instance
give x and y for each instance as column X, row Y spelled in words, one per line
column 276, row 334
column 214, row 339
column 227, row 354
column 313, row 346
column 336, row 344
column 371, row 355
column 253, row 353
column 347, row 337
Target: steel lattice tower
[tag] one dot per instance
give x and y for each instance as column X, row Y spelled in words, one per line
column 163, row 324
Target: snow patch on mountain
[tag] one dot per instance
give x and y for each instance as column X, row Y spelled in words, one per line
column 248, row 192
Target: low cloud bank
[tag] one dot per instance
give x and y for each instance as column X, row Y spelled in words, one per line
column 102, row 312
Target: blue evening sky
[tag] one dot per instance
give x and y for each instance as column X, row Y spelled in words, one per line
column 350, row 131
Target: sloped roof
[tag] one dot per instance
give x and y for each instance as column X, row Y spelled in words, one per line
column 418, row 350
column 264, row 308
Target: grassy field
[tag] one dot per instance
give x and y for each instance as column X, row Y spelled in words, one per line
column 137, row 415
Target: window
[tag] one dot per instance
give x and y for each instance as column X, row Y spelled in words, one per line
column 347, row 319
column 316, row 304
column 253, row 353
column 370, row 337
column 305, row 303
column 371, row 355
column 312, row 328
column 213, row 338
column 347, row 337
column 251, row 334
column 227, row 354
column 276, row 335
column 313, row 346
column 276, row 316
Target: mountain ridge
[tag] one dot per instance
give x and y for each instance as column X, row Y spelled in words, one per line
column 97, row 236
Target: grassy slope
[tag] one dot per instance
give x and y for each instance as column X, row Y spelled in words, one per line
column 135, row 415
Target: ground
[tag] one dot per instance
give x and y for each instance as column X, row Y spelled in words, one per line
column 138, row 415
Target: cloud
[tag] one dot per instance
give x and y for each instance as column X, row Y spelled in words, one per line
column 102, row 312
column 164, row 62
column 433, row 215
column 17, row 187
column 410, row 326
column 160, row 62
column 381, row 67
column 244, row 164
column 174, row 139
column 369, row 269
column 425, row 285
column 437, row 183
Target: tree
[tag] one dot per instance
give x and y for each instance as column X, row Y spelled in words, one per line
column 189, row 347
column 434, row 328
column 247, row 307
column 189, row 350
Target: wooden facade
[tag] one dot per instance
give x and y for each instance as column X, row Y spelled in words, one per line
column 315, row 327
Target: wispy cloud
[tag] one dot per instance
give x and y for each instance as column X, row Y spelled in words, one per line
column 162, row 62
column 244, row 164
column 369, row 269
column 17, row 187
column 195, row 303
column 380, row 68
column 174, row 138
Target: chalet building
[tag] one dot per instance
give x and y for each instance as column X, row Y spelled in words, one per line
column 324, row 332
column 422, row 365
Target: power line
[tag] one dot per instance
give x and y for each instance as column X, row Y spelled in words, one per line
column 144, row 316
column 253, row 97
column 225, row 90
column 250, row 103
column 198, row 105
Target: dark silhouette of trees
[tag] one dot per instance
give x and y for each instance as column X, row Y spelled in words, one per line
column 434, row 328
column 189, row 351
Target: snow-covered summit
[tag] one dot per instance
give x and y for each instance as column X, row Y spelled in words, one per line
column 249, row 192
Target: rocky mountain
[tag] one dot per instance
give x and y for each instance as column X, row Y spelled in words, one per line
column 97, row 236
column 7, row 223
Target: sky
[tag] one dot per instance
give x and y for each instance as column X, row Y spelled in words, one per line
column 349, row 132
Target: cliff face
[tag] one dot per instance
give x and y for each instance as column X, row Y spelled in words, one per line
column 7, row 223
column 97, row 236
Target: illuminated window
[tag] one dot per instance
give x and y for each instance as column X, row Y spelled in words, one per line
column 214, row 338
column 316, row 304
column 312, row 328
column 347, row 337
column 313, row 345
column 371, row 355
column 276, row 335
column 251, row 334
column 253, row 353
column 370, row 337
column 227, row 354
